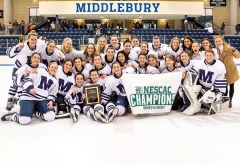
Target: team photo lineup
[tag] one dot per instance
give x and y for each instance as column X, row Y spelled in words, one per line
column 49, row 80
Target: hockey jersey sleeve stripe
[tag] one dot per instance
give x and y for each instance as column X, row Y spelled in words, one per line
column 30, row 95
column 29, row 88
column 192, row 70
column 224, row 81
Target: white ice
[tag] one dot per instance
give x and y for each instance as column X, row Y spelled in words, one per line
column 166, row 140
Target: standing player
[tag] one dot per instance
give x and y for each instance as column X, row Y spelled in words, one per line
column 22, row 52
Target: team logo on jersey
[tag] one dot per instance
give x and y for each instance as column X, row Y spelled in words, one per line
column 121, row 88
column 152, row 97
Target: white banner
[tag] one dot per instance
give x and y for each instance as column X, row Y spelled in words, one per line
column 122, row 7
column 151, row 93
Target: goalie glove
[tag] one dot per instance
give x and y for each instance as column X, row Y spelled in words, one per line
column 208, row 97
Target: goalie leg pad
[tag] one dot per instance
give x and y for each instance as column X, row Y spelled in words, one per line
column 191, row 91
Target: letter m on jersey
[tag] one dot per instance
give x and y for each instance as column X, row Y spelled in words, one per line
column 206, row 77
column 45, row 84
column 64, row 87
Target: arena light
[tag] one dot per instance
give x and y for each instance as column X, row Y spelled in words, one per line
column 101, row 17
column 140, row 17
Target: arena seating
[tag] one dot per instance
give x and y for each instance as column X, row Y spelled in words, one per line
column 166, row 34
column 6, row 42
column 81, row 37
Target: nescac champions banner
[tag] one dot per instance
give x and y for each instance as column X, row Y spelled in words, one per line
column 151, row 93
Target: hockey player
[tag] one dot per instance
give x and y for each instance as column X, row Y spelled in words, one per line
column 185, row 62
column 135, row 44
column 187, row 44
column 39, row 92
column 196, row 53
column 154, row 62
column 110, row 56
column 171, row 68
column 170, row 65
column 212, row 75
column 132, row 55
column 144, row 50
column 26, row 69
column 67, row 50
column 206, row 45
column 118, row 46
column 74, row 97
column 95, row 112
column 101, row 46
column 143, row 67
column 174, row 48
column 79, row 68
column 128, row 66
column 22, row 52
column 156, row 45
column 88, row 53
column 66, row 81
column 118, row 103
column 103, row 69
column 50, row 53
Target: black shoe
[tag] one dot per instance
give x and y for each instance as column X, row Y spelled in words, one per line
column 100, row 117
column 230, row 104
column 8, row 117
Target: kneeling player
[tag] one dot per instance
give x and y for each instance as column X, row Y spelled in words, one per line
column 212, row 80
column 36, row 89
column 115, row 104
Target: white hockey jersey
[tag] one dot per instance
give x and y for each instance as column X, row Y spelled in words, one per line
column 170, row 51
column 46, row 86
column 100, row 82
column 23, row 56
column 120, row 48
column 149, row 70
column 65, row 81
column 84, row 71
column 113, row 84
column 47, row 58
column 211, row 75
column 70, row 55
column 105, row 60
column 151, row 48
column 199, row 56
column 188, row 66
column 173, row 71
column 20, row 73
column 76, row 99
